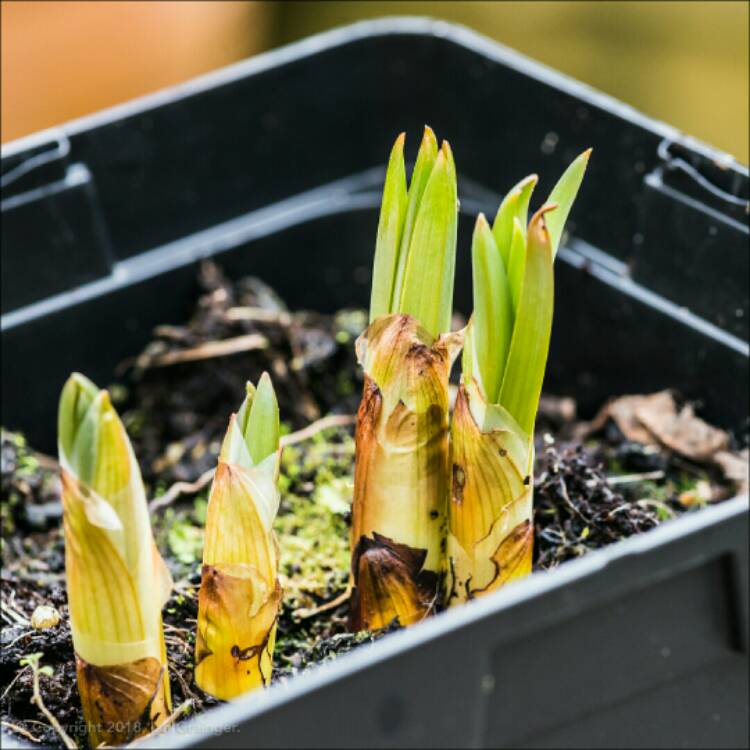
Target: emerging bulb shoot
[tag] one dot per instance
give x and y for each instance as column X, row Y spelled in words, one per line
column 490, row 523
column 402, row 470
column 240, row 593
column 117, row 582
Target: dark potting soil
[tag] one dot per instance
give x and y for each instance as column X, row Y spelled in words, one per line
column 175, row 398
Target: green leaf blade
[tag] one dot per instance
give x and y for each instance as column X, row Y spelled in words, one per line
column 427, row 291
column 467, row 355
column 390, row 226
column 262, row 429
column 243, row 413
column 564, row 194
column 86, row 453
column 77, row 395
column 426, row 158
column 527, row 358
column 452, row 239
column 492, row 323
column 515, row 205
column 517, row 262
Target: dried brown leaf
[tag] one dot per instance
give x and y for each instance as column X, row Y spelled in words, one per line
column 655, row 420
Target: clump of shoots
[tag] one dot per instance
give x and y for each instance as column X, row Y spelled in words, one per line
column 240, row 593
column 402, row 470
column 490, row 531
column 117, row 581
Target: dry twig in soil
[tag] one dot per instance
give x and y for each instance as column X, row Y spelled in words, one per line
column 36, row 698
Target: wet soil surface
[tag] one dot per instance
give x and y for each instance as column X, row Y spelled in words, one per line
column 592, row 489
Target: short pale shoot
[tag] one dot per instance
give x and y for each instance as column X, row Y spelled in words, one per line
column 117, row 582
column 240, row 593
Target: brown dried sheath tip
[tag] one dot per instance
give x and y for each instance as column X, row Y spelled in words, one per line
column 121, row 702
column 512, row 559
column 249, row 649
column 391, row 583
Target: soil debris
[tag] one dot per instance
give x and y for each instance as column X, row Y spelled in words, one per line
column 177, row 414
column 30, row 491
column 576, row 508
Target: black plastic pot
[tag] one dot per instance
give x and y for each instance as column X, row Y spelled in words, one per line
column 274, row 167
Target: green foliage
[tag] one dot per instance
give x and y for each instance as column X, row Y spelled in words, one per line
column 427, row 292
column 262, row 430
column 33, row 661
column 517, row 262
column 493, row 313
column 515, row 206
column 508, row 337
column 524, row 371
column 416, row 246
column 563, row 195
column 390, row 226
column 258, row 427
column 78, row 422
column 426, row 158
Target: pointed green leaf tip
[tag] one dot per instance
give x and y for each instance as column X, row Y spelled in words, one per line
column 77, row 395
column 514, row 206
column 492, row 323
column 90, row 434
column 258, row 420
column 427, row 293
column 517, row 262
column 85, row 418
column 426, row 158
column 416, row 247
column 564, row 194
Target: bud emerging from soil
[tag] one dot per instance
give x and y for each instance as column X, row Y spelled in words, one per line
column 401, row 480
column 490, row 524
column 240, row 593
column 117, row 581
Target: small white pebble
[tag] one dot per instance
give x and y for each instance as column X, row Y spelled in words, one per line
column 45, row 617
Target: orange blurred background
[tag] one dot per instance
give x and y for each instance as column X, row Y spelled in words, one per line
column 682, row 62
column 61, row 60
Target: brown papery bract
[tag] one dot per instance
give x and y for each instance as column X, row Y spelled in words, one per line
column 490, row 514
column 401, row 479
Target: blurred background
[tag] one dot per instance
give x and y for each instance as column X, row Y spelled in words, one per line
column 682, row 62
